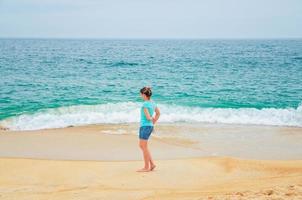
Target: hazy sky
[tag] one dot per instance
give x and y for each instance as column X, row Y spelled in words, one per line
column 151, row 18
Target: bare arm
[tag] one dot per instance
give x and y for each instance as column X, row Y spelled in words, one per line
column 148, row 116
column 157, row 114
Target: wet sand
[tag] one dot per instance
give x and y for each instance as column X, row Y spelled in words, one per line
column 169, row 141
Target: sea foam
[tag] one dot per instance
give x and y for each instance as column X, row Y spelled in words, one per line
column 128, row 112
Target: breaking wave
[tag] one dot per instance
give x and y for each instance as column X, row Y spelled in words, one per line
column 128, row 112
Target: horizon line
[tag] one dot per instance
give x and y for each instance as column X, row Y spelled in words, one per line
column 157, row 38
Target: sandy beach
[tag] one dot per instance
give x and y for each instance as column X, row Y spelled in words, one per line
column 214, row 86
column 90, row 163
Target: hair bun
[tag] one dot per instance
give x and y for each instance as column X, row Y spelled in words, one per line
column 147, row 91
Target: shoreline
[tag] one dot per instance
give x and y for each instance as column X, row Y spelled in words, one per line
column 3, row 129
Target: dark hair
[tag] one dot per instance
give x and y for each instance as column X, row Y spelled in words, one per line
column 147, row 91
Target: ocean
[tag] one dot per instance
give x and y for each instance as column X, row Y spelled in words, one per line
column 53, row 83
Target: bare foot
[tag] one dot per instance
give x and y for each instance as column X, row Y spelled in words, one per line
column 152, row 167
column 143, row 170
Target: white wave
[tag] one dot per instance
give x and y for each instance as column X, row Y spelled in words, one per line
column 128, row 112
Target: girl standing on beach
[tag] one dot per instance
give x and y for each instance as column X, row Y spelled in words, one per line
column 146, row 127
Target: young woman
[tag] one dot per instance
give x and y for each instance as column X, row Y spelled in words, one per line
column 147, row 122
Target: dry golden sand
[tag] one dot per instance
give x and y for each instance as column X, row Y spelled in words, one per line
column 178, row 178
column 199, row 178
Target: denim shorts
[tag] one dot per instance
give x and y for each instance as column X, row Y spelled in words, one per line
column 145, row 132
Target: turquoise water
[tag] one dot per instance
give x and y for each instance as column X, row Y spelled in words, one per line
column 49, row 83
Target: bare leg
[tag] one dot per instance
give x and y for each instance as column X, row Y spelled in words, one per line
column 152, row 165
column 143, row 146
